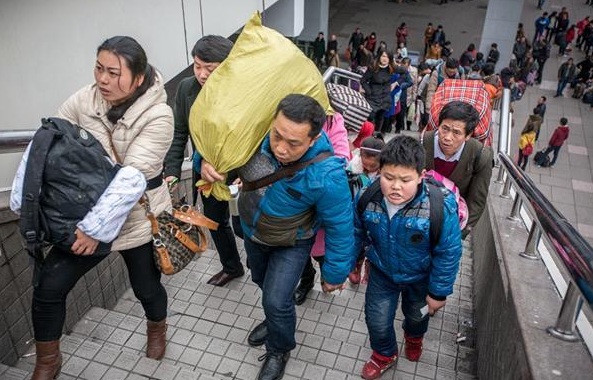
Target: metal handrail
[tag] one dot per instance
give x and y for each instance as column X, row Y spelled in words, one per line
column 15, row 141
column 332, row 74
column 569, row 246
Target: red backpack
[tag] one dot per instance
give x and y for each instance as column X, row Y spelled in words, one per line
column 469, row 91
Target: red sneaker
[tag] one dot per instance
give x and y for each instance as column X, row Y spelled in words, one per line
column 413, row 348
column 355, row 275
column 377, row 364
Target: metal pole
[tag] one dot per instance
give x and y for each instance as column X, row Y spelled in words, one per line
column 504, row 128
column 565, row 324
column 500, row 177
column 532, row 241
column 516, row 208
column 506, row 190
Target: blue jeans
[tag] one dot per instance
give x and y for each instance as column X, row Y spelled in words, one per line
column 561, row 85
column 277, row 270
column 381, row 303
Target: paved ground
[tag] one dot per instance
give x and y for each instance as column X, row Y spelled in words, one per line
column 462, row 21
column 569, row 184
column 208, row 327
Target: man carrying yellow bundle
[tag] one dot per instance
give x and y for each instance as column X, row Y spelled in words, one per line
column 291, row 186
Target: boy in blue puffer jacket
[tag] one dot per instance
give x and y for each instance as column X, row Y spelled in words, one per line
column 396, row 224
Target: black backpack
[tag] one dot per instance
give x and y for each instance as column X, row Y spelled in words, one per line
column 436, row 198
column 67, row 171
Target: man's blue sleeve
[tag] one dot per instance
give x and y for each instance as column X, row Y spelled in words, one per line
column 197, row 162
column 334, row 209
column 447, row 253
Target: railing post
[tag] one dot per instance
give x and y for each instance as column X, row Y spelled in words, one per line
column 504, row 127
column 532, row 241
column 506, row 189
column 500, row 177
column 516, row 208
column 569, row 311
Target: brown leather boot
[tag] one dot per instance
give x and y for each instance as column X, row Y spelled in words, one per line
column 48, row 362
column 156, row 339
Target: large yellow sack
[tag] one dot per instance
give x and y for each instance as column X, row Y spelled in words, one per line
column 233, row 112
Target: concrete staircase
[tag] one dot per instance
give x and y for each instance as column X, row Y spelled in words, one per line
column 208, row 328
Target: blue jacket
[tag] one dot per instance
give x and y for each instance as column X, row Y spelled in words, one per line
column 295, row 207
column 400, row 247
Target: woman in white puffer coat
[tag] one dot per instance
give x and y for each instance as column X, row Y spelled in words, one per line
column 127, row 105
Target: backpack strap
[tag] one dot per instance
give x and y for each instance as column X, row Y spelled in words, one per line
column 437, row 203
column 29, row 222
column 373, row 192
column 285, row 171
column 435, row 197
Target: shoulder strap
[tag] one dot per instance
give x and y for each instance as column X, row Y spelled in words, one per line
column 29, row 221
column 368, row 195
column 437, row 202
column 285, row 171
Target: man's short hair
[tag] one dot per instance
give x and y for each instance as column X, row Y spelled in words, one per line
column 563, row 121
column 488, row 69
column 451, row 63
column 406, row 61
column 403, row 151
column 212, row 48
column 302, row 109
column 461, row 111
column 494, row 45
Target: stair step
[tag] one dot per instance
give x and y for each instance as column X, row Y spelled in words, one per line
column 12, row 373
column 221, row 351
column 208, row 328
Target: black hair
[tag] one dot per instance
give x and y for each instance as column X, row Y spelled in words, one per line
column 302, row 109
column 563, row 121
column 212, row 48
column 376, row 141
column 406, row 61
column 375, row 66
column 488, row 69
column 440, row 26
column 401, row 70
column 135, row 59
column 423, row 66
column 476, row 67
column 461, row 111
column 403, row 151
column 451, row 63
column 494, row 45
column 544, row 98
column 471, row 47
column 479, row 56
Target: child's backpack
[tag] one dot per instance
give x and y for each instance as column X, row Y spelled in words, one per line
column 436, row 196
column 438, row 179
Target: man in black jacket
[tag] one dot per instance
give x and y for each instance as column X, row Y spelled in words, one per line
column 208, row 53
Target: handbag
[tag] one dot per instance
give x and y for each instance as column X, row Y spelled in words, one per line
column 527, row 150
column 177, row 236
